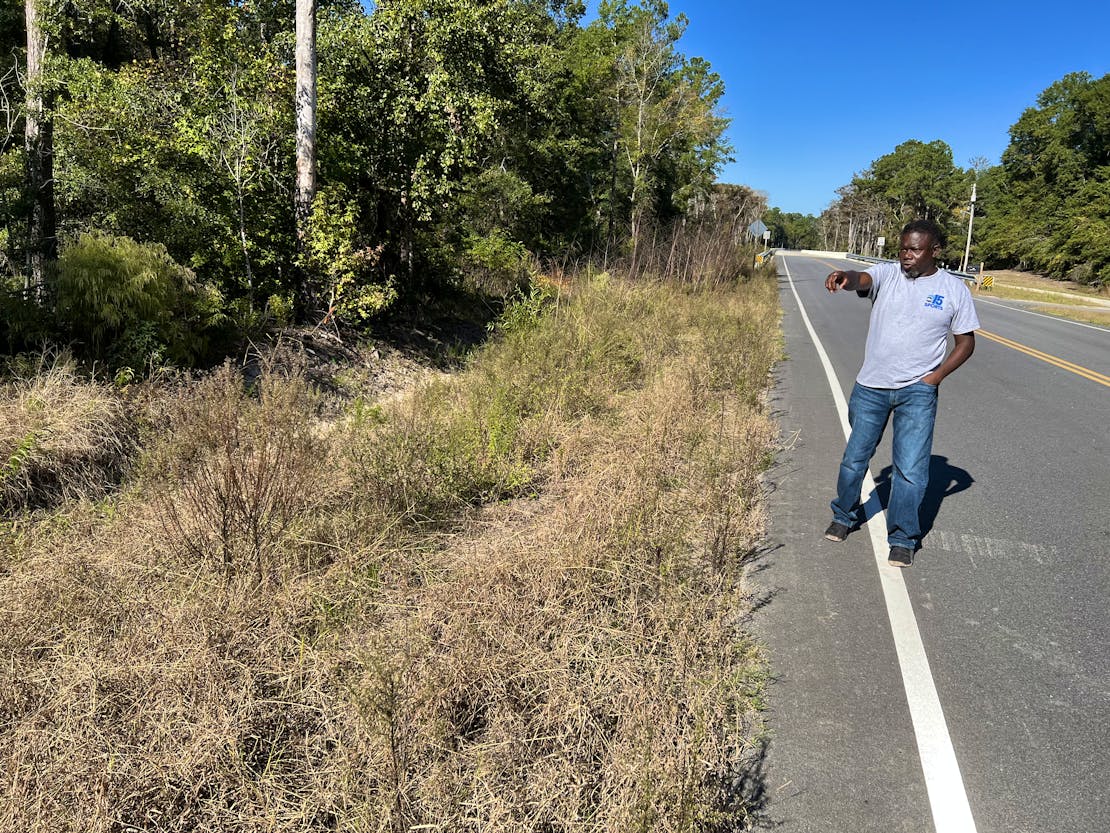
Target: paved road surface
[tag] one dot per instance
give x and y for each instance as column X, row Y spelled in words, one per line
column 1010, row 592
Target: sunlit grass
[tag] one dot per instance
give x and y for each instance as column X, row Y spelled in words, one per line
column 510, row 600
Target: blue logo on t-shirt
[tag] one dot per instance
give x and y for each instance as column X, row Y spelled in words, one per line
column 935, row 302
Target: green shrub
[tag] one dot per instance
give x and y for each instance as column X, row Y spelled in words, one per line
column 523, row 311
column 280, row 310
column 341, row 262
column 496, row 264
column 131, row 303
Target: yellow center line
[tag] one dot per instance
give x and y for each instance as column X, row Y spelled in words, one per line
column 1079, row 370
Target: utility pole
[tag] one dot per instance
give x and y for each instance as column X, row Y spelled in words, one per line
column 970, row 222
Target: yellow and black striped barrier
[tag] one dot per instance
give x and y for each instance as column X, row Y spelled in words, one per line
column 987, row 282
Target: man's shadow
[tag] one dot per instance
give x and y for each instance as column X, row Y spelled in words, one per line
column 944, row 480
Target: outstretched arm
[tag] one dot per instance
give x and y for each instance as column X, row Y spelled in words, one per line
column 961, row 352
column 850, row 279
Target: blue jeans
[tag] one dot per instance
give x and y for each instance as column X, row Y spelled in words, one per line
column 915, row 410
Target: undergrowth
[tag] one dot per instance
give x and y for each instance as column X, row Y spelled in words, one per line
column 512, row 600
column 61, row 437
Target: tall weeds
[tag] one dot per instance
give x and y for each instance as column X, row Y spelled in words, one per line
column 700, row 252
column 511, row 601
column 239, row 469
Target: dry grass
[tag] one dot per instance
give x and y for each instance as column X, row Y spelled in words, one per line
column 1085, row 315
column 245, row 468
column 1075, row 302
column 1057, row 298
column 696, row 252
column 61, row 438
column 1031, row 280
column 512, row 601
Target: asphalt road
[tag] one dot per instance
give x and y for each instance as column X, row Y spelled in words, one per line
column 1010, row 590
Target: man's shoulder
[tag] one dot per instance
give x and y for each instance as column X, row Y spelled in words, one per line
column 883, row 267
column 881, row 271
column 956, row 284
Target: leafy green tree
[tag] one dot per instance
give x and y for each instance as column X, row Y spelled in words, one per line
column 792, row 230
column 194, row 154
column 667, row 141
column 916, row 180
column 1048, row 206
column 414, row 99
column 454, row 138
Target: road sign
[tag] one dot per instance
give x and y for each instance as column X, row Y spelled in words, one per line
column 988, row 282
column 757, row 229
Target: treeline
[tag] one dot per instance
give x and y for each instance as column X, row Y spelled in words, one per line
column 1046, row 207
column 148, row 168
column 792, row 229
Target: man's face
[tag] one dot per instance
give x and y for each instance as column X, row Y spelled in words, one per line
column 918, row 253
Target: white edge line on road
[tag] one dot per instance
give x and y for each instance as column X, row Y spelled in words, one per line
column 1041, row 315
column 947, row 795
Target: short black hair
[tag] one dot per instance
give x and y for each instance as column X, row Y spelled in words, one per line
column 926, row 227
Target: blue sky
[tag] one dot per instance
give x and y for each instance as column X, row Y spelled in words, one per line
column 818, row 90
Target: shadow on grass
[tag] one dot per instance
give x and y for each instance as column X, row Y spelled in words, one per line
column 744, row 795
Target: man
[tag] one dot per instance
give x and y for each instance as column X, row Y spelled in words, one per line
column 915, row 305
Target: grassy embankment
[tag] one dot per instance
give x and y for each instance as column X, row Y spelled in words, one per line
column 511, row 600
column 1051, row 297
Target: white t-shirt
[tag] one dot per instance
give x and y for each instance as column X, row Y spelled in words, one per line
column 910, row 322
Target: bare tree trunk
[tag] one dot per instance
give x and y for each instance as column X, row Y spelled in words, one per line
column 39, row 143
column 306, row 133
column 611, row 233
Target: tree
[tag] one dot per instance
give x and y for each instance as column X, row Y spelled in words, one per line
column 916, row 180
column 1047, row 206
column 39, row 145
column 453, row 138
column 737, row 206
column 791, row 230
column 193, row 152
column 306, row 127
column 856, row 219
column 664, row 113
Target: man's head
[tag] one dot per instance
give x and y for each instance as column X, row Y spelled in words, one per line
column 920, row 246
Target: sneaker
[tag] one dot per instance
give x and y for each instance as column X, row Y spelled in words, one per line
column 900, row 557
column 837, row 532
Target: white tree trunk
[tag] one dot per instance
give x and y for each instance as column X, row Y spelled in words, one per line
column 306, row 114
